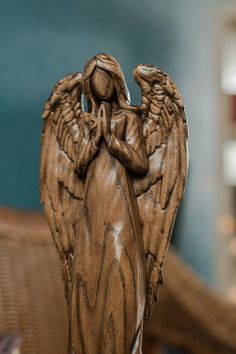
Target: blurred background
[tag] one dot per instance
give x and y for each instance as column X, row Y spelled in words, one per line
column 193, row 41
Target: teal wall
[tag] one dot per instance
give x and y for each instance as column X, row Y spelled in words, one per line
column 41, row 41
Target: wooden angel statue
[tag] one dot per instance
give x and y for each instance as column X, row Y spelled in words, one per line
column 112, row 178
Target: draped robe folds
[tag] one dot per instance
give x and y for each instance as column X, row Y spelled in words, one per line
column 108, row 281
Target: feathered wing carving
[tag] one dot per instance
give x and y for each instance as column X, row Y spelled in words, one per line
column 61, row 189
column 159, row 193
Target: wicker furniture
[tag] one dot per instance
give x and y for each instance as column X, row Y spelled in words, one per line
column 31, row 293
column 32, row 304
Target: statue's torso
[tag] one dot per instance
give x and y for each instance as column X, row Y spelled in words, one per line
column 109, row 255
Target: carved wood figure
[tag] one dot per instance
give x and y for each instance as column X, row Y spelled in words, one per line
column 112, row 178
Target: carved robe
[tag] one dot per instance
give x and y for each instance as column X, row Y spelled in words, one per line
column 108, row 288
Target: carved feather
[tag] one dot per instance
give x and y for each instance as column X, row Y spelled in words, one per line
column 61, row 188
column 160, row 191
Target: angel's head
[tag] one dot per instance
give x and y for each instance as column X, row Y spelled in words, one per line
column 103, row 85
column 103, row 80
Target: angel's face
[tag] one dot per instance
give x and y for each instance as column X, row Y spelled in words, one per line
column 102, row 84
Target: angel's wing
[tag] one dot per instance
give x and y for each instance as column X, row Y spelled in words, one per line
column 160, row 191
column 61, row 188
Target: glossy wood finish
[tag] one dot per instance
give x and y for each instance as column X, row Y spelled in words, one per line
column 111, row 181
column 189, row 316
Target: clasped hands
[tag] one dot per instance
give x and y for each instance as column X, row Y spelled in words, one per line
column 103, row 124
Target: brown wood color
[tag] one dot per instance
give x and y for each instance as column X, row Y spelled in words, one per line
column 188, row 316
column 112, row 179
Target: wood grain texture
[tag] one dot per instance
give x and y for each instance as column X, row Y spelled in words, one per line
column 111, row 182
column 189, row 316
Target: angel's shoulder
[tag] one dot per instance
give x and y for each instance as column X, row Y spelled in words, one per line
column 129, row 115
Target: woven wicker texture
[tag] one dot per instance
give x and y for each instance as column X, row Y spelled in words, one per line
column 188, row 315
column 32, row 300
